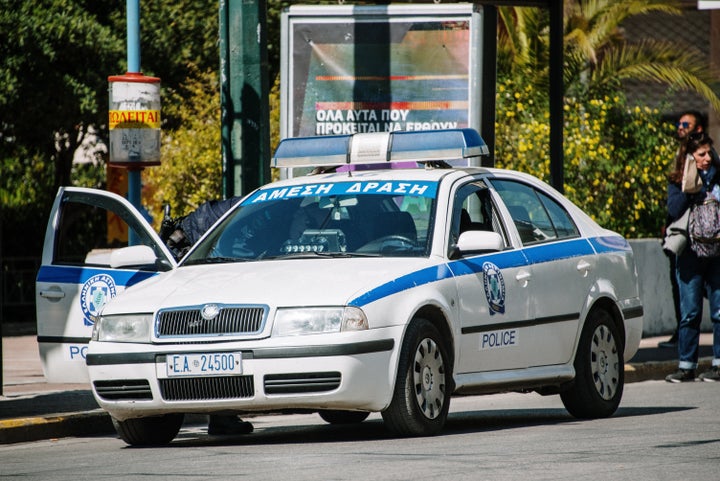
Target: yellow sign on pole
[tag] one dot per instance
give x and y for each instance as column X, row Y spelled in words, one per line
column 134, row 120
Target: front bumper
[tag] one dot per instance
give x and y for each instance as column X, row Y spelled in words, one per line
column 337, row 371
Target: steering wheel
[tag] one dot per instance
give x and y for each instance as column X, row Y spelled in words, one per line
column 393, row 242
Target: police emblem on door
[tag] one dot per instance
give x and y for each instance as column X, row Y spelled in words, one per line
column 95, row 293
column 494, row 285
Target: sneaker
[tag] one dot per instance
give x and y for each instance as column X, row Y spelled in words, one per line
column 712, row 375
column 670, row 343
column 223, row 425
column 681, row 375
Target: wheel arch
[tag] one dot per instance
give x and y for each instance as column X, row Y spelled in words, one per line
column 437, row 317
column 420, row 401
column 610, row 306
column 597, row 388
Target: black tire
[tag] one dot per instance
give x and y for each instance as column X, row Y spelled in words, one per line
column 152, row 431
column 599, row 370
column 421, row 398
column 333, row 416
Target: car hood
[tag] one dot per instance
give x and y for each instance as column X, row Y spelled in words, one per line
column 295, row 282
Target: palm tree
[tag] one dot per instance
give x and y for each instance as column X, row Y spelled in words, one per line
column 597, row 56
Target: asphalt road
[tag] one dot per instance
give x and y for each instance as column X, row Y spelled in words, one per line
column 661, row 432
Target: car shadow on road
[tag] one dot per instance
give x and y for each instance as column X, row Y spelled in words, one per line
column 373, row 429
column 312, row 432
column 493, row 420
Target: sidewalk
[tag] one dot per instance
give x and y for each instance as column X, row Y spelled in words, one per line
column 33, row 409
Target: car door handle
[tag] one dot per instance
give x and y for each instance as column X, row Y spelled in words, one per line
column 523, row 277
column 53, row 294
column 583, row 267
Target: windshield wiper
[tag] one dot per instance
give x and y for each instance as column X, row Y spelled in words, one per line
column 214, row 260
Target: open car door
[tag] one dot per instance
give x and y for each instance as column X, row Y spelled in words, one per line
column 87, row 232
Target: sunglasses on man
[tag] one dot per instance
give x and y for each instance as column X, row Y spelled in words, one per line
column 684, row 125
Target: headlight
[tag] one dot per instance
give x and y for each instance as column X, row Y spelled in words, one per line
column 123, row 328
column 317, row 320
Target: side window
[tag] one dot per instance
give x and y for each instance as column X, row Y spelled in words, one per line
column 473, row 210
column 88, row 233
column 537, row 217
column 563, row 224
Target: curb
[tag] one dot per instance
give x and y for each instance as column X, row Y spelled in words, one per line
column 657, row 370
column 27, row 429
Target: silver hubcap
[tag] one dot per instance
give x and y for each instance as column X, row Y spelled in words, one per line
column 429, row 378
column 605, row 363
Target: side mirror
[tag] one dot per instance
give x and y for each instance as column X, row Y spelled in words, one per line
column 479, row 241
column 133, row 256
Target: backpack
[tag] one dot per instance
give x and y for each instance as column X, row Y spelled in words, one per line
column 704, row 227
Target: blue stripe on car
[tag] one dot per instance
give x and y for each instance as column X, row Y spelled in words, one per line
column 504, row 260
column 78, row 275
column 609, row 244
column 462, row 267
column 417, row 278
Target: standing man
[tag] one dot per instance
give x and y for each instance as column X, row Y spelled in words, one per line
column 690, row 121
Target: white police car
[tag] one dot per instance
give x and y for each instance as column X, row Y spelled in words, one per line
column 349, row 291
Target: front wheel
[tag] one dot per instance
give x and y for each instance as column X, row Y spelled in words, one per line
column 599, row 370
column 151, row 431
column 421, row 398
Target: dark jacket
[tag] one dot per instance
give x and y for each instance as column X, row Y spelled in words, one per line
column 678, row 201
column 200, row 220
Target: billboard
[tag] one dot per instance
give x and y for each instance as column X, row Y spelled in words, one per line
column 351, row 69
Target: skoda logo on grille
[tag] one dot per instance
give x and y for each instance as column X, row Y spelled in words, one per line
column 210, row 311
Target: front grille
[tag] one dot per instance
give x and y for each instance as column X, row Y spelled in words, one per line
column 302, row 382
column 124, row 389
column 207, row 388
column 230, row 320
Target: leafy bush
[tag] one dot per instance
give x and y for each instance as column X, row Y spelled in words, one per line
column 190, row 172
column 616, row 156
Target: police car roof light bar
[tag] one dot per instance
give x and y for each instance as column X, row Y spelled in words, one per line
column 379, row 148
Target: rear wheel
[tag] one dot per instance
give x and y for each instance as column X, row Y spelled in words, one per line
column 599, row 370
column 333, row 416
column 421, row 398
column 151, row 431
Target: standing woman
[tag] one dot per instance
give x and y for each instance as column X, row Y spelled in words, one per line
column 695, row 274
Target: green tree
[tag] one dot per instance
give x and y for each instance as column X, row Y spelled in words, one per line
column 190, row 171
column 597, row 57
column 616, row 155
column 54, row 60
column 55, row 56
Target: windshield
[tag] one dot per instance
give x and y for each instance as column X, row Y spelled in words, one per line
column 362, row 218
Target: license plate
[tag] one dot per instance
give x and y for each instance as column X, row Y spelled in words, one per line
column 210, row 364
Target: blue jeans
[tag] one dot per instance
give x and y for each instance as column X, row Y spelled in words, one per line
column 695, row 277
